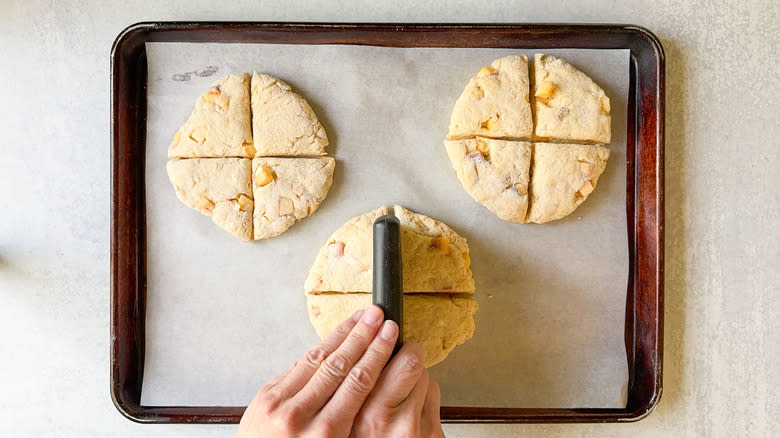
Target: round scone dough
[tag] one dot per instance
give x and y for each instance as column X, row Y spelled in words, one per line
column 438, row 303
column 435, row 258
column 495, row 102
column 220, row 124
column 568, row 105
column 287, row 190
column 563, row 177
column 217, row 187
column 438, row 322
column 521, row 181
column 235, row 115
column 283, row 122
column 495, row 173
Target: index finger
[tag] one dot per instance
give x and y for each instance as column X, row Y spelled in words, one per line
column 288, row 384
column 323, row 384
column 399, row 377
column 360, row 380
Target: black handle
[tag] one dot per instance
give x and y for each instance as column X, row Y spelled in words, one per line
column 388, row 274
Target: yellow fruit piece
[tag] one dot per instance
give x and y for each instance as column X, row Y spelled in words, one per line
column 249, row 150
column 488, row 124
column 586, row 188
column 205, row 205
column 286, row 206
column 544, row 91
column 441, row 243
column 244, row 202
column 605, row 107
column 586, row 169
column 482, row 146
column 264, row 176
column 487, row 71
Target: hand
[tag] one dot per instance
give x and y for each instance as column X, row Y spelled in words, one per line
column 405, row 401
column 323, row 392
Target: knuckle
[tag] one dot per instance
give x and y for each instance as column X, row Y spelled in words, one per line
column 360, row 336
column 343, row 329
column 336, row 366
column 411, row 364
column 272, row 395
column 360, row 381
column 314, row 357
column 282, row 424
column 372, row 423
column 292, row 414
column 409, row 425
column 267, row 387
column 271, row 399
column 324, row 429
column 414, row 349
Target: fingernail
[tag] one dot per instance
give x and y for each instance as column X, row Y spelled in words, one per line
column 389, row 331
column 372, row 316
column 357, row 315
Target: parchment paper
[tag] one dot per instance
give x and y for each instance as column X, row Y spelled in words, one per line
column 225, row 316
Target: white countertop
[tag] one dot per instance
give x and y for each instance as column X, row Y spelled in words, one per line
column 721, row 369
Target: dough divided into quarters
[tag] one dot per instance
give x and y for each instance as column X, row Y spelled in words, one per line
column 283, row 122
column 220, row 124
column 494, row 173
column 498, row 170
column 286, row 190
column 563, row 177
column 495, row 102
column 217, row 187
column 568, row 105
column 438, row 322
column 435, row 258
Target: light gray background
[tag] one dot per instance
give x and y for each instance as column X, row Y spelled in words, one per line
column 550, row 328
column 721, row 357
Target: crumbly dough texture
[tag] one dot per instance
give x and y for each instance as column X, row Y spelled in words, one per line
column 495, row 102
column 495, row 173
column 283, row 122
column 438, row 322
column 217, row 187
column 568, row 105
column 435, row 258
column 287, row 190
column 220, row 124
column 563, row 177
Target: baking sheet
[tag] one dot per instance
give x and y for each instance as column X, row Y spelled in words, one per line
column 223, row 316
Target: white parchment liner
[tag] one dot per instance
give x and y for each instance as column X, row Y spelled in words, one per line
column 224, row 316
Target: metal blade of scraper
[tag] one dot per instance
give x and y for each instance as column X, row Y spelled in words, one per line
column 387, row 272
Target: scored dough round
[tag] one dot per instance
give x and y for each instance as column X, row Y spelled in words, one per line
column 438, row 322
column 435, row 258
column 530, row 182
column 208, row 178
